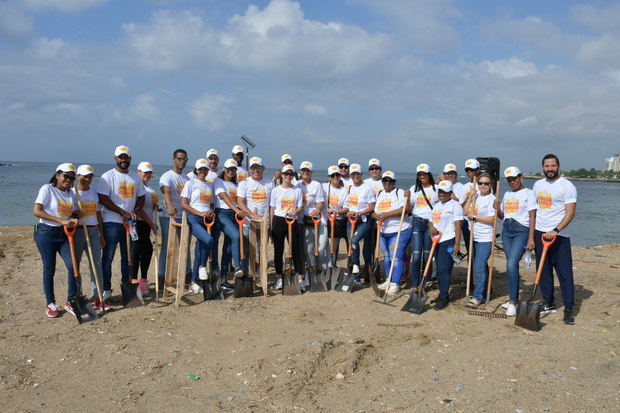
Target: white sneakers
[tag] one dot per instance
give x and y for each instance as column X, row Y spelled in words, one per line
column 278, row 285
column 195, row 288
column 511, row 311
column 238, row 272
column 107, row 294
column 394, row 289
column 383, row 285
column 356, row 269
column 202, row 273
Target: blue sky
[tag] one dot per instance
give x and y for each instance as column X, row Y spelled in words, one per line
column 407, row 81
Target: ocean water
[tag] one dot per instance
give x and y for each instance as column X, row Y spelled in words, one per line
column 597, row 221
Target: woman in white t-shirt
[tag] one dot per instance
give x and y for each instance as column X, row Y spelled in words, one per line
column 196, row 199
column 518, row 210
column 446, row 218
column 388, row 208
column 56, row 207
column 482, row 215
column 423, row 197
column 360, row 204
column 335, row 195
column 314, row 199
column 286, row 200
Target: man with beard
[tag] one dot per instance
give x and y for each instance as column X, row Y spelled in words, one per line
column 121, row 193
column 237, row 155
column 557, row 201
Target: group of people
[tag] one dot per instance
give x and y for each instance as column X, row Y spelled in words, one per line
column 359, row 211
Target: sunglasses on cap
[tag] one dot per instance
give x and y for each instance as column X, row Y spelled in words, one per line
column 484, row 183
column 374, row 168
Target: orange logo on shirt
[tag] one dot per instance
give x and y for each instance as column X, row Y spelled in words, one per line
column 241, row 176
column 384, row 205
column 334, row 200
column 154, row 199
column 205, row 197
column 180, row 186
column 511, row 206
column 354, row 200
column 436, row 216
column 65, row 208
column 259, row 195
column 420, row 201
column 545, row 200
column 126, row 190
column 287, row 204
column 232, row 192
column 89, row 208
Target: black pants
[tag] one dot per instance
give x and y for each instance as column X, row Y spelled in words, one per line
column 279, row 233
column 141, row 250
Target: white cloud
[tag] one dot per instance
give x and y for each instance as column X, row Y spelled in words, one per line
column 143, row 109
column 45, row 48
column 598, row 18
column 527, row 121
column 14, row 24
column 210, row 111
column 66, row 6
column 601, row 52
column 316, row 110
column 511, row 68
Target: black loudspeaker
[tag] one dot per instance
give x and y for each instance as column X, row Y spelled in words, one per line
column 491, row 166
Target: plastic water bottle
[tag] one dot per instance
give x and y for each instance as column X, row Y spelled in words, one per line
column 527, row 258
column 456, row 259
column 133, row 232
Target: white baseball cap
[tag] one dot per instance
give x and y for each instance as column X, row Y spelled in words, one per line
column 332, row 170
column 343, row 161
column 288, row 168
column 230, row 163
column 423, row 167
column 85, row 170
column 66, row 167
column 355, row 167
column 121, row 150
column 286, row 157
column 511, row 172
column 445, row 186
column 237, row 149
column 201, row 163
column 306, row 165
column 255, row 160
column 388, row 174
column 374, row 161
column 210, row 152
column 449, row 167
column 472, row 164
column 145, row 167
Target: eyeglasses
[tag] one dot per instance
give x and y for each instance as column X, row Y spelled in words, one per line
column 288, row 174
column 374, row 168
column 484, row 183
column 181, row 159
column 469, row 169
column 255, row 167
column 343, row 167
column 388, row 180
column 68, row 177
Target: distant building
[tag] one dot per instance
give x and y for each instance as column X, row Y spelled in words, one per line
column 612, row 163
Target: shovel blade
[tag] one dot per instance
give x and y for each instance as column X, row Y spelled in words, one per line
column 317, row 282
column 211, row 289
column 528, row 316
column 83, row 309
column 130, row 295
column 243, row 287
column 347, row 283
column 415, row 303
column 290, row 286
column 336, row 278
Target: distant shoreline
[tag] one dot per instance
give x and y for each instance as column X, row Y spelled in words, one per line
column 575, row 179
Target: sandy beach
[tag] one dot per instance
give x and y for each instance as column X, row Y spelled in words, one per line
column 320, row 351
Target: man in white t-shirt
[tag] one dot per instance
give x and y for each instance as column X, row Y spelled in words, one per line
column 171, row 184
column 237, row 155
column 374, row 169
column 121, row 193
column 557, row 201
column 343, row 167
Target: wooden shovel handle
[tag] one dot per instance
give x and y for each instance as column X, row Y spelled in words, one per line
column 74, row 262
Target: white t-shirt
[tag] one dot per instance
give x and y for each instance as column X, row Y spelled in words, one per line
column 459, row 192
column 390, row 201
column 444, row 216
column 552, row 197
column 312, row 193
column 466, row 188
column 122, row 189
column 89, row 204
column 377, row 186
column 348, row 181
column 483, row 232
column 199, row 193
column 229, row 187
column 337, row 197
column 60, row 204
column 517, row 205
column 150, row 200
column 256, row 194
column 175, row 183
column 241, row 173
column 420, row 206
column 285, row 200
column 210, row 176
column 359, row 197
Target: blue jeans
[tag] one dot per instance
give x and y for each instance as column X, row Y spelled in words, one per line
column 559, row 257
column 481, row 268
column 388, row 253
column 514, row 238
column 51, row 240
column 444, row 262
column 362, row 232
column 230, row 228
column 204, row 243
column 420, row 246
column 114, row 233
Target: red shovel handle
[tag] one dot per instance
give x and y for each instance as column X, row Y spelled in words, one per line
column 69, row 231
column 208, row 224
column 332, row 217
column 316, row 220
column 290, row 221
column 547, row 243
column 240, row 220
column 435, row 238
column 353, row 219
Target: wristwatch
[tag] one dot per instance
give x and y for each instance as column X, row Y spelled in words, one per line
column 473, row 218
column 556, row 230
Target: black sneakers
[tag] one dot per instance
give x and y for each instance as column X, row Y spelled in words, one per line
column 568, row 316
column 441, row 304
column 227, row 286
column 548, row 309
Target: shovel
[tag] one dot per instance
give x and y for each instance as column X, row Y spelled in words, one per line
column 132, row 296
column 289, row 281
column 82, row 308
column 528, row 313
column 334, row 274
column 244, row 285
column 347, row 283
column 375, row 271
column 317, row 280
column 415, row 303
column 211, row 289
column 470, row 250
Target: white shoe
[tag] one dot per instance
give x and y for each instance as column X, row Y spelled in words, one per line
column 302, row 285
column 238, row 273
column 195, row 288
column 505, row 305
column 107, row 294
column 202, row 273
column 278, row 285
column 383, row 285
column 394, row 289
column 511, row 311
column 356, row 269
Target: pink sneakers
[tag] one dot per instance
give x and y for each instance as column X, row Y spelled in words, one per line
column 101, row 306
column 69, row 308
column 51, row 310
